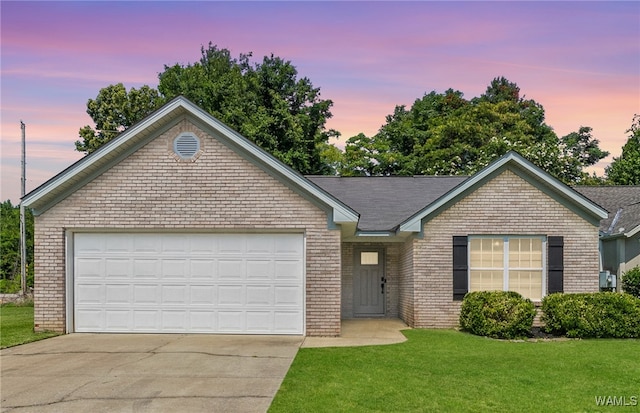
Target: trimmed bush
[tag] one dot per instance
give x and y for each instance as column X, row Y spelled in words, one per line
column 592, row 315
column 497, row 314
column 631, row 282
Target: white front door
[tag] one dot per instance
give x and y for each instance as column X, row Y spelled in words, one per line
column 189, row 283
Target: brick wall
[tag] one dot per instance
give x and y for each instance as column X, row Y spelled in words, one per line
column 506, row 205
column 405, row 284
column 220, row 191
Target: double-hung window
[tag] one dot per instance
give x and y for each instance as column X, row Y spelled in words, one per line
column 510, row 263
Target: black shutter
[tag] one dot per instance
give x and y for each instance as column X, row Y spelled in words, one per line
column 555, row 247
column 460, row 268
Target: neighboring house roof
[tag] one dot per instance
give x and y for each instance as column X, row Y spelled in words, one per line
column 623, row 204
column 385, row 202
column 93, row 165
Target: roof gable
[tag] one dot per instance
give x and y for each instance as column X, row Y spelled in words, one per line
column 88, row 168
column 526, row 170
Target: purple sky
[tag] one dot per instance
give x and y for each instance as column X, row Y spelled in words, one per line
column 580, row 60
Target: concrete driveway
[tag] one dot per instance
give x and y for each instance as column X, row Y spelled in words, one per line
column 145, row 373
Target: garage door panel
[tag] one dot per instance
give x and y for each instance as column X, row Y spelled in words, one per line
column 90, row 294
column 259, row 269
column 287, row 269
column 259, row 295
column 118, row 267
column 201, row 268
column 230, row 295
column 118, row 294
column 146, row 268
column 231, row 321
column 286, row 322
column 175, row 268
column 288, row 296
column 203, row 295
column 231, row 269
column 90, row 267
column 259, row 321
column 208, row 283
column 145, row 294
column 117, row 320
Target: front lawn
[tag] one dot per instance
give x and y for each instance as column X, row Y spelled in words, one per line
column 450, row 371
column 16, row 325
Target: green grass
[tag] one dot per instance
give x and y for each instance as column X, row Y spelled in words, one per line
column 16, row 325
column 450, row 371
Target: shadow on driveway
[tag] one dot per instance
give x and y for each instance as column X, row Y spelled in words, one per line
column 145, row 373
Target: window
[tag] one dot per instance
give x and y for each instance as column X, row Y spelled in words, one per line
column 507, row 263
column 369, row 258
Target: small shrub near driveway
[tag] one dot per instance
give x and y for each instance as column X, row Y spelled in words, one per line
column 592, row 315
column 497, row 314
column 631, row 282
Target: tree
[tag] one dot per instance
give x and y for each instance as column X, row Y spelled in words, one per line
column 10, row 270
column 113, row 111
column 265, row 102
column 445, row 134
column 625, row 170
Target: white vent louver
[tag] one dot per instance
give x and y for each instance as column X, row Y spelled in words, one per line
column 186, row 145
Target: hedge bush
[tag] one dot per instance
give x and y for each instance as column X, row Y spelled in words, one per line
column 631, row 282
column 497, row 314
column 592, row 315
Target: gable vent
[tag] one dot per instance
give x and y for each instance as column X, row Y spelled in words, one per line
column 186, row 145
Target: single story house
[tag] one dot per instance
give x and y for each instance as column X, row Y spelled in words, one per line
column 620, row 231
column 182, row 225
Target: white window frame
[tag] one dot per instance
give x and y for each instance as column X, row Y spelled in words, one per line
column 505, row 258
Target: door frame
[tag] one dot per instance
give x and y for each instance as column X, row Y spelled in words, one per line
column 382, row 265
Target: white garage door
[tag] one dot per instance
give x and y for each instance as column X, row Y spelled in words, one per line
column 196, row 283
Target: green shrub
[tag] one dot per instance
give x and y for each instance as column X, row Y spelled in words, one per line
column 497, row 314
column 631, row 282
column 592, row 315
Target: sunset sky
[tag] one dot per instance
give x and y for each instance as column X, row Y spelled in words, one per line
column 580, row 60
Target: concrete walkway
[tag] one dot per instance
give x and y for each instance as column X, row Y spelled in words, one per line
column 363, row 332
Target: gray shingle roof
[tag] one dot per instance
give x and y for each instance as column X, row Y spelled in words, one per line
column 623, row 201
column 385, row 202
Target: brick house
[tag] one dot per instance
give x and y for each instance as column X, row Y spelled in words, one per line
column 182, row 225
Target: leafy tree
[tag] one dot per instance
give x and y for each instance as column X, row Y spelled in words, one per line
column 625, row 170
column 266, row 102
column 113, row 111
column 444, row 134
column 10, row 247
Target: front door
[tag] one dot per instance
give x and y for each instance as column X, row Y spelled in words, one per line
column 369, row 282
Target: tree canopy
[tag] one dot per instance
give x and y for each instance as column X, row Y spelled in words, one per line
column 265, row 102
column 446, row 134
column 625, row 170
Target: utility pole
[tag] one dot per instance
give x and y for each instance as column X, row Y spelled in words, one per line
column 23, row 227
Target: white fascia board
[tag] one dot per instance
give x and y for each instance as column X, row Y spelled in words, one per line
column 341, row 213
column 414, row 224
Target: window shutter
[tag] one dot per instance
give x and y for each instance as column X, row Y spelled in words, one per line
column 460, row 268
column 555, row 246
